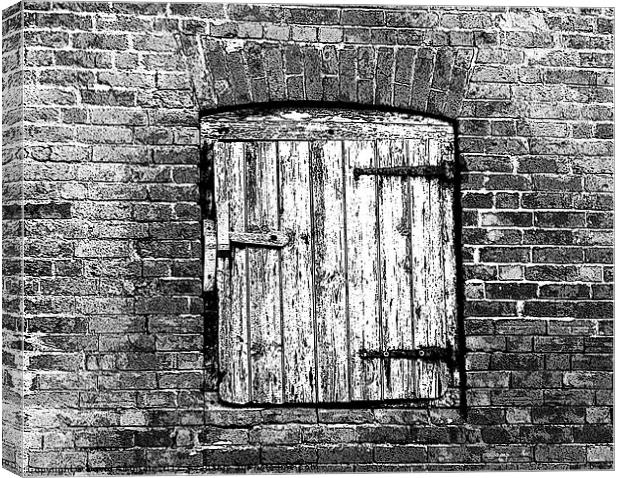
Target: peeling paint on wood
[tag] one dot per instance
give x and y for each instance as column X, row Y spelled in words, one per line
column 366, row 266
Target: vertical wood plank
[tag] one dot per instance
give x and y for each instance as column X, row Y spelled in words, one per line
column 449, row 233
column 296, row 274
column 329, row 270
column 223, row 269
column 363, row 270
column 445, row 152
column 231, row 275
column 395, row 235
column 428, row 276
column 222, row 152
column 263, row 273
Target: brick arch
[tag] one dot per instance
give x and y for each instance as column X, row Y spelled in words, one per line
column 422, row 79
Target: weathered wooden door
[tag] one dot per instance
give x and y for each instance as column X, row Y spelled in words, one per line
column 335, row 256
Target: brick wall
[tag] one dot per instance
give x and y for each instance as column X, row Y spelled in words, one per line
column 119, row 345
column 12, row 247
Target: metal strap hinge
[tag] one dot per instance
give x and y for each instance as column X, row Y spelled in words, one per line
column 275, row 239
column 265, row 239
column 430, row 354
column 443, row 171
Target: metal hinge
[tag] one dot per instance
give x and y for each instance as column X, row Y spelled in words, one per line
column 443, row 171
column 429, row 354
column 266, row 239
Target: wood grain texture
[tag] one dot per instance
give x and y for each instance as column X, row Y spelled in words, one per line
column 302, row 130
column 328, row 235
column 428, row 275
column 394, row 205
column 222, row 152
column 263, row 268
column 436, row 331
column 358, row 263
column 448, row 241
column 324, row 115
column 363, row 271
column 223, row 279
column 232, row 277
column 318, row 123
column 300, row 378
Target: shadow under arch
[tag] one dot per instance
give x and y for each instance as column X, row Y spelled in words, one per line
column 272, row 106
column 267, row 108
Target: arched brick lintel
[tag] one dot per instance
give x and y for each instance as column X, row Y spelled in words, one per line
column 423, row 80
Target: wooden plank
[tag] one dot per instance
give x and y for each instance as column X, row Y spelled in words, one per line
column 328, row 236
column 427, row 272
column 395, row 234
column 445, row 151
column 328, row 117
column 449, row 234
column 220, row 161
column 223, row 213
column 231, row 277
column 270, row 129
column 263, row 274
column 296, row 274
column 363, row 271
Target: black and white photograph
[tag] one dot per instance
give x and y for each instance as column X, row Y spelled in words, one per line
column 307, row 237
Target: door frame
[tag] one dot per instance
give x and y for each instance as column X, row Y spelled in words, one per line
column 216, row 124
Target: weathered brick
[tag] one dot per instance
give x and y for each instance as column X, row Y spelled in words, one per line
column 537, row 379
column 414, row 19
column 100, row 41
column 400, row 454
column 511, row 291
column 314, row 16
column 588, row 379
column 488, row 379
column 71, row 460
column 516, row 397
column 600, row 453
column 124, row 300
column 521, row 219
column 593, row 434
column 288, row 455
column 344, row 454
column 384, row 434
column 560, row 453
column 511, row 361
column 504, row 254
column 108, row 97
